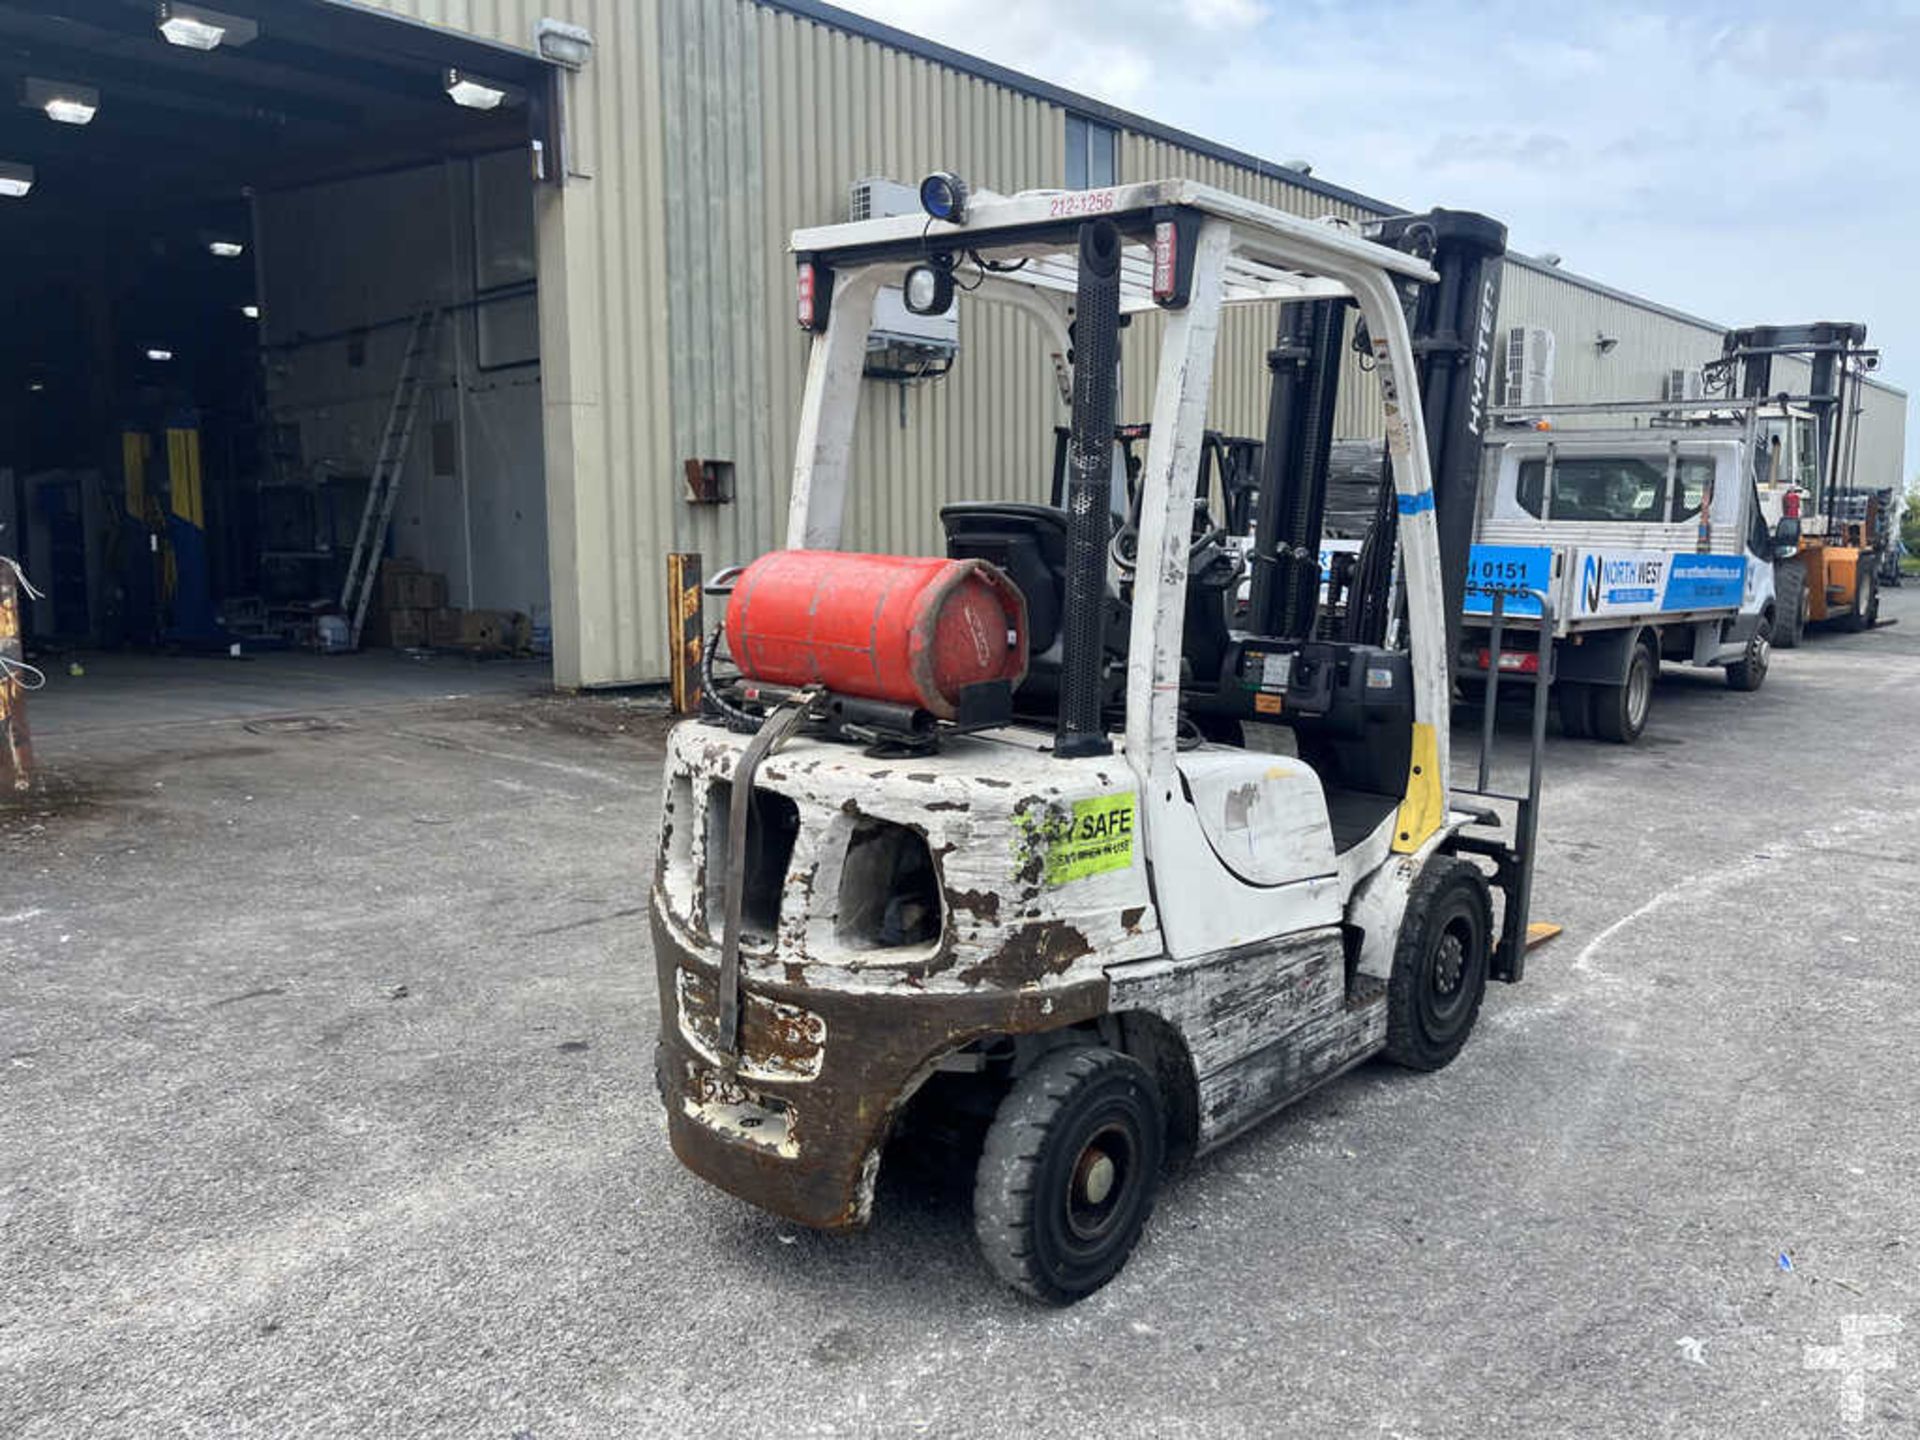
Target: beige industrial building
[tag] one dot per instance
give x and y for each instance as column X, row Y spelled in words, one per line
column 596, row 210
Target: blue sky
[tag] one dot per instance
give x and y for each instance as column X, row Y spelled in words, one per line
column 1749, row 163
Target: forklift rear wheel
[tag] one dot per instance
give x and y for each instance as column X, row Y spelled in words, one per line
column 1620, row 711
column 1069, row 1172
column 1440, row 965
column 1790, row 604
column 1750, row 670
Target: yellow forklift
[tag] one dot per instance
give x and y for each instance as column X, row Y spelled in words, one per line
column 1828, row 531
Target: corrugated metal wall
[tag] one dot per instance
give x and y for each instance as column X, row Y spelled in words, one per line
column 712, row 128
column 767, row 121
column 612, row 487
column 1650, row 342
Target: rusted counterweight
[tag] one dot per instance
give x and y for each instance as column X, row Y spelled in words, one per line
column 897, row 628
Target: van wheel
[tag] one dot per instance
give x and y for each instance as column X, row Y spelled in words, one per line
column 1439, row 965
column 1575, row 702
column 1750, row 670
column 1620, row 711
column 1069, row 1172
column 1790, row 604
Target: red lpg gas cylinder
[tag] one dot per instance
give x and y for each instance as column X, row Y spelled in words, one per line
column 882, row 627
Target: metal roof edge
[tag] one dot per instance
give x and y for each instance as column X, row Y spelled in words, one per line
column 884, row 34
column 435, row 33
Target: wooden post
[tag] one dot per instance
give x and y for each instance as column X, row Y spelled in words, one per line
column 686, row 616
column 16, row 745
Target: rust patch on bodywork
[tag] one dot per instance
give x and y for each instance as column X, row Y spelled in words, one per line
column 1130, row 918
column 808, row 1148
column 981, row 904
column 1030, row 953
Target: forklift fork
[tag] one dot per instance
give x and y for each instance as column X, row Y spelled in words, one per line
column 1512, row 862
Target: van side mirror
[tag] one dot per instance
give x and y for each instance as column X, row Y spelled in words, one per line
column 1786, row 538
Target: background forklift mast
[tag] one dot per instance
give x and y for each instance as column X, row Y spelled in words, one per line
column 1831, row 542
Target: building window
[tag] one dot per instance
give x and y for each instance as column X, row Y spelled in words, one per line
column 1092, row 149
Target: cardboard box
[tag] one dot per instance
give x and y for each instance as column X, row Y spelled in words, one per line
column 498, row 630
column 444, row 627
column 405, row 586
column 397, row 629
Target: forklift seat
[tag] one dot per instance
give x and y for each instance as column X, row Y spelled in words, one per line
column 1028, row 542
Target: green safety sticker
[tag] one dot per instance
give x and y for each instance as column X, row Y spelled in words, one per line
column 1093, row 836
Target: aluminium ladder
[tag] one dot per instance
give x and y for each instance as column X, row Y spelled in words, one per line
column 388, row 466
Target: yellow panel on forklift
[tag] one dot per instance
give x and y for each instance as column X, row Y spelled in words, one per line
column 183, row 475
column 1424, row 805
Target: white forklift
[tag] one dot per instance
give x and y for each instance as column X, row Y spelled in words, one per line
column 1026, row 837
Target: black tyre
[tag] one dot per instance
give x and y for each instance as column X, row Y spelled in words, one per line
column 1749, row 672
column 1620, row 711
column 1866, row 601
column 1575, row 703
column 1440, row 965
column 1069, row 1172
column 1789, row 604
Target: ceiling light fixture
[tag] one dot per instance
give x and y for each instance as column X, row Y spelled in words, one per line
column 226, row 249
column 194, row 27
column 252, row 312
column 159, row 354
column 476, row 92
column 15, row 179
column 68, row 103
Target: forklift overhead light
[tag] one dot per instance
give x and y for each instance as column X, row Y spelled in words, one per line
column 194, row 27
column 226, row 249
column 943, row 195
column 929, row 289
column 69, row 104
column 476, row 92
column 15, row 179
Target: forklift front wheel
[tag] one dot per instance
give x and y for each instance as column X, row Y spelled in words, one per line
column 1865, row 613
column 1069, row 1172
column 1440, row 965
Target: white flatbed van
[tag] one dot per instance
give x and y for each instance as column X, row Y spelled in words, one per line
column 1652, row 544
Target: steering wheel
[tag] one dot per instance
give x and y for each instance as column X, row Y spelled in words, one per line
column 1207, row 550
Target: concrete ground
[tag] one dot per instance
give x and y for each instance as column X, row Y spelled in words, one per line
column 325, row 1020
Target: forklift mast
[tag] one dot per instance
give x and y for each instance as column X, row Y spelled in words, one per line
column 1836, row 354
column 1453, row 323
